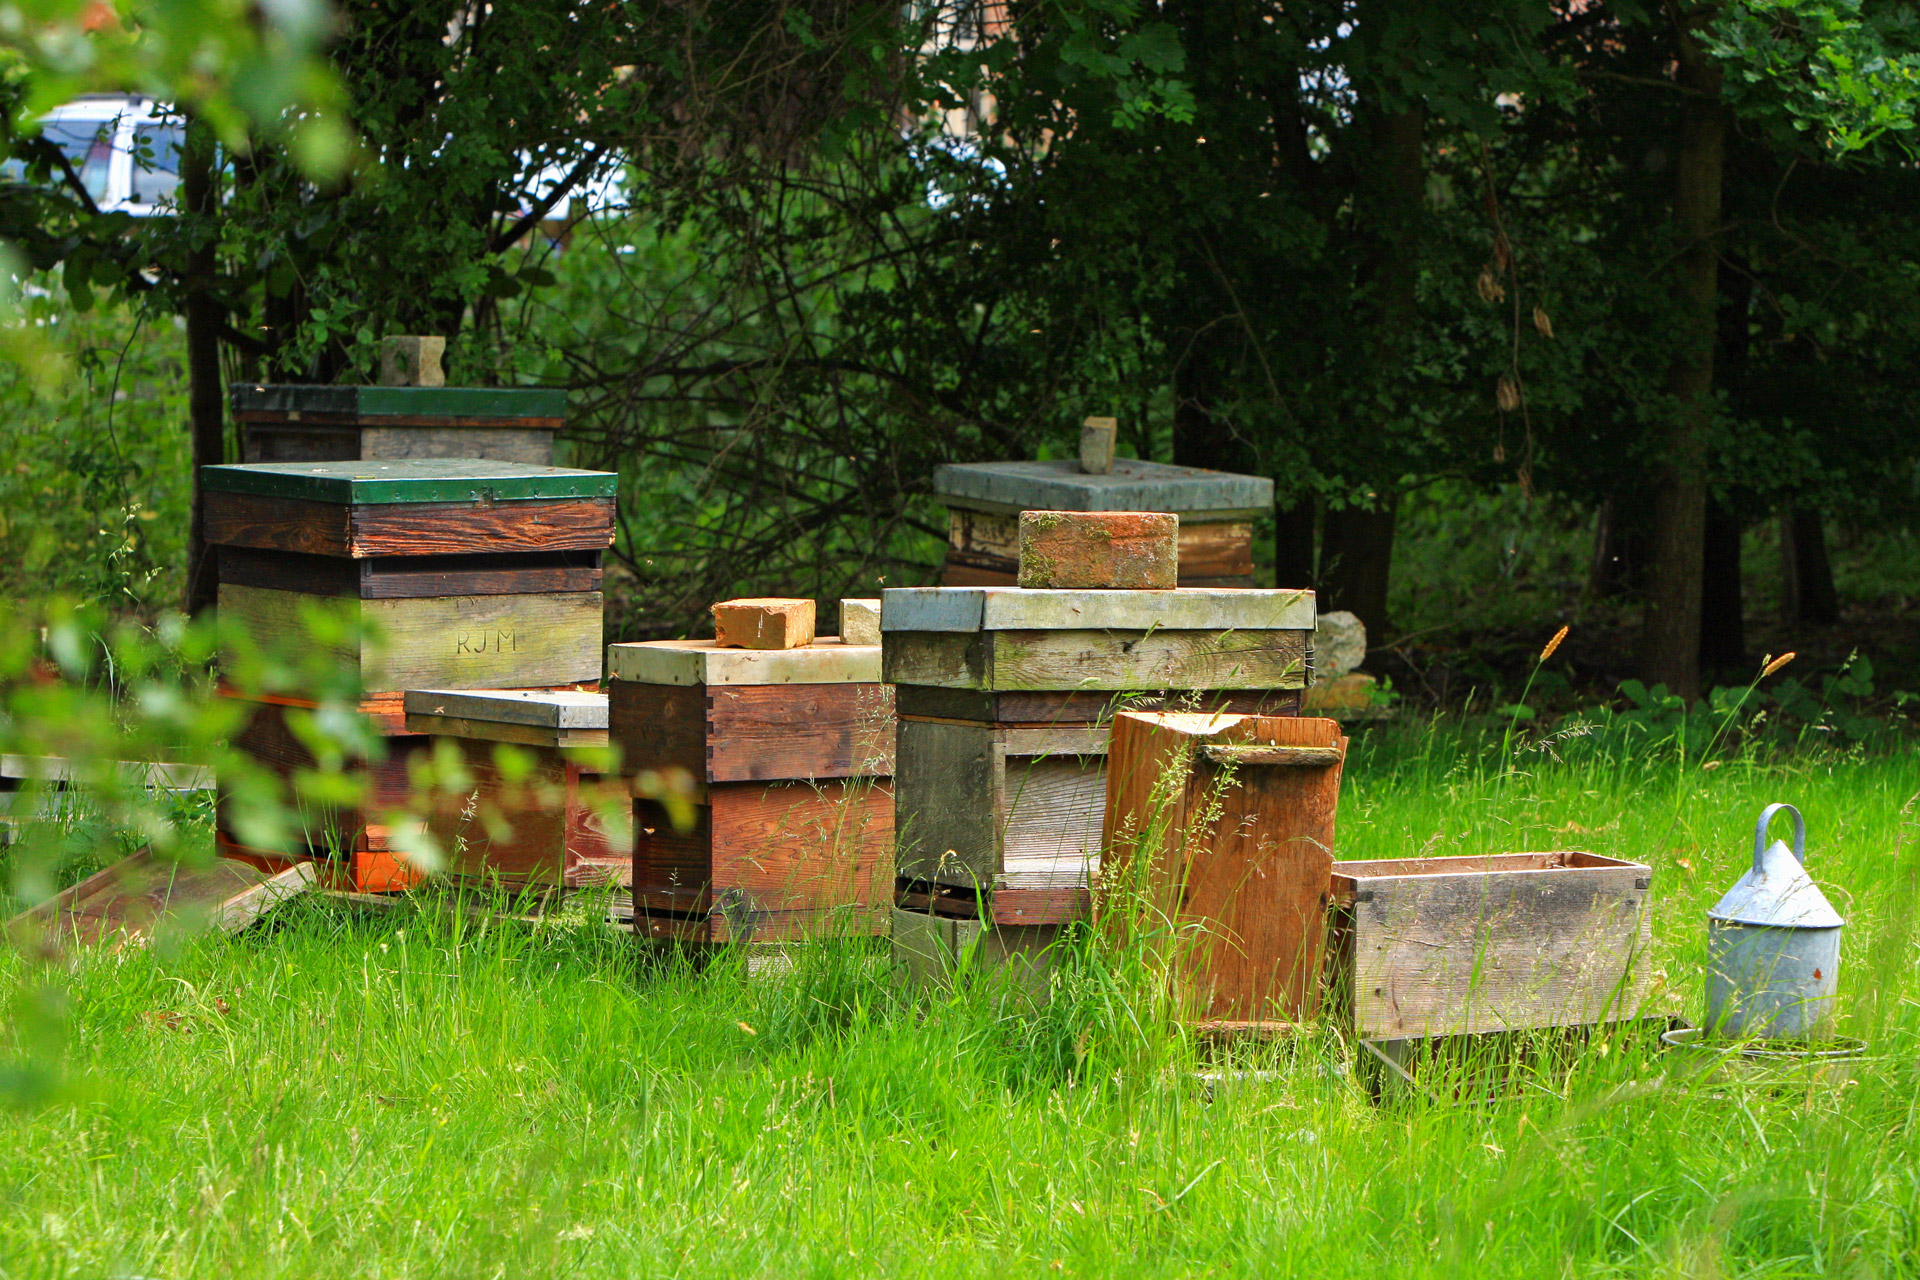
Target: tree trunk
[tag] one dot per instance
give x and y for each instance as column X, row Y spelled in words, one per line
column 1723, row 633
column 205, row 414
column 1619, row 552
column 1356, row 554
column 1670, row 652
column 1807, row 592
column 1293, row 543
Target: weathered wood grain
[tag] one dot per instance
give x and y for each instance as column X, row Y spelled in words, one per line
column 417, row 529
column 504, row 731
column 1225, row 854
column 1120, row 550
column 762, row 860
column 263, row 439
column 553, row 824
column 475, row 642
column 970, row 609
column 128, row 902
column 1051, row 809
column 561, row 710
column 769, row 732
column 1020, row 707
column 409, row 577
column 958, row 573
column 1445, row 946
column 658, row 726
column 696, row 662
column 1097, row 660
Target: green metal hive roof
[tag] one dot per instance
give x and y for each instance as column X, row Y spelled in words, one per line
column 409, row 480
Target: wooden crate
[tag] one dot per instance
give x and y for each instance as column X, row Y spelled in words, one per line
column 787, row 754
column 563, row 821
column 984, row 500
column 1466, row 945
column 474, row 574
column 1006, row 697
column 349, row 424
column 1219, row 834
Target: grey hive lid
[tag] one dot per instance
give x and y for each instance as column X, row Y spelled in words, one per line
column 1777, row 892
column 1134, row 485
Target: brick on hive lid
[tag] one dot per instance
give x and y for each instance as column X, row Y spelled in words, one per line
column 763, row 623
column 1100, row 550
column 860, row 622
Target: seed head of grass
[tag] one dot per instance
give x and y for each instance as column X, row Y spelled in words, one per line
column 1774, row 664
column 1554, row 643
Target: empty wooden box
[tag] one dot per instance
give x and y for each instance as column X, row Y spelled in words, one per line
column 1464, row 945
column 557, row 817
column 1219, row 838
column 350, row 424
column 461, row 573
column 790, row 754
column 1006, row 697
column 984, row 501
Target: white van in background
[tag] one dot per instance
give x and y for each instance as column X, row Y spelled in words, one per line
column 125, row 149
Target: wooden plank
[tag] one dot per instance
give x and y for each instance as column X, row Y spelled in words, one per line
column 1098, row 660
column 1013, row 905
column 547, row 826
column 496, row 731
column 556, row 709
column 1082, row 550
column 509, row 441
column 128, row 902
column 423, row 529
column 1133, row 485
column 1235, row 854
column 408, row 577
column 946, row 778
column 409, row 481
column 771, row 732
column 1050, row 811
column 763, row 623
column 1020, row 707
column 967, row 609
column 474, row 642
column 659, row 727
column 960, row 573
column 696, row 662
column 1445, row 952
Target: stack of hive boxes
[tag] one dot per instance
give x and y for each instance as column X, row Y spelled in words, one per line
column 786, row 752
column 1006, row 696
column 443, row 573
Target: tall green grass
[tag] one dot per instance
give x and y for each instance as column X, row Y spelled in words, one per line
column 417, row 1093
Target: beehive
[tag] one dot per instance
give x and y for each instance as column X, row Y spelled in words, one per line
column 789, row 755
column 351, row 424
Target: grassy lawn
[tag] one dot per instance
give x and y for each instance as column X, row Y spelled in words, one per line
column 401, row 1095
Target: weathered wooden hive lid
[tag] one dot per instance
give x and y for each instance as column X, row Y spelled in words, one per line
column 403, row 480
column 540, row 404
column 536, row 708
column 702, row 662
column 1028, row 609
column 1133, row 485
column 1776, row 892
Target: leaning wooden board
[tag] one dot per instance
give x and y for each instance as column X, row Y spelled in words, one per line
column 1457, row 946
column 132, row 899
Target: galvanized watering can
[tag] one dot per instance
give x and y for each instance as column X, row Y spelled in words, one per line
column 1773, row 946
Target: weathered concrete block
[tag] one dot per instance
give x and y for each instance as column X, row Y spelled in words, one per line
column 1096, row 445
column 860, row 622
column 767, row 623
column 1339, row 644
column 1117, row 550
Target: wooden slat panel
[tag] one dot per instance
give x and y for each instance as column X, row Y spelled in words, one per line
column 1098, row 660
column 672, row 869
column 519, row 443
column 802, row 847
column 407, row 529
column 767, row 732
column 947, row 776
column 1051, row 811
column 658, row 726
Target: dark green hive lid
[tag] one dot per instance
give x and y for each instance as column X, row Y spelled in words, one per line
column 409, row 480
column 402, row 402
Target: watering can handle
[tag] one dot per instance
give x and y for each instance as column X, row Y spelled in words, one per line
column 1760, row 834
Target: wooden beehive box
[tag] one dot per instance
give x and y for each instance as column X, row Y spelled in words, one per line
column 789, row 753
column 1463, row 945
column 984, row 501
column 352, row 424
column 558, row 817
column 1219, row 838
column 461, row 573
column 1005, row 699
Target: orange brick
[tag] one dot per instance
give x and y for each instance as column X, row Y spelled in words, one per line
column 1096, row 550
column 763, row 624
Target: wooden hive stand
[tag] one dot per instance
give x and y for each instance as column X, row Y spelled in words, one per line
column 1006, row 697
column 984, row 501
column 440, row 573
column 556, row 817
column 787, row 756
